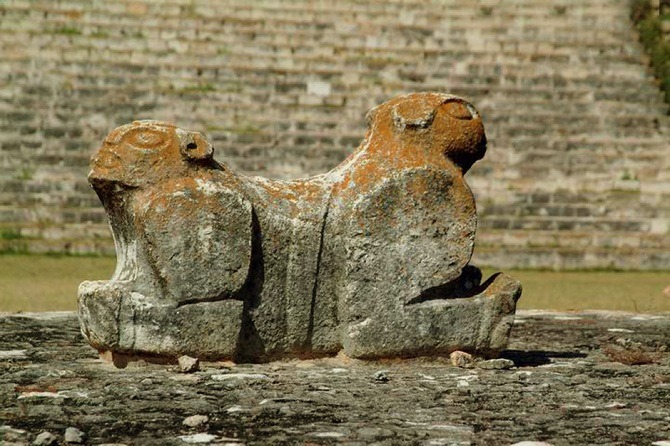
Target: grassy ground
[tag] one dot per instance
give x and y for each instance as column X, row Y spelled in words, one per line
column 48, row 283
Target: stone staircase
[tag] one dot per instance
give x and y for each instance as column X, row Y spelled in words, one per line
column 578, row 169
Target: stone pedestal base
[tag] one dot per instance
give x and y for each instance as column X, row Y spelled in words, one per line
column 126, row 324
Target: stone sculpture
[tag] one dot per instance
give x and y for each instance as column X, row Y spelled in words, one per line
column 370, row 258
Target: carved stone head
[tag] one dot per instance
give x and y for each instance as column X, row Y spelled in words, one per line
column 145, row 152
column 442, row 124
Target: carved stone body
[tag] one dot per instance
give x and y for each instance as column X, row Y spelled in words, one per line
column 371, row 257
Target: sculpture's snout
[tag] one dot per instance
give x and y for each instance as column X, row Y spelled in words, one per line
column 105, row 169
column 462, row 123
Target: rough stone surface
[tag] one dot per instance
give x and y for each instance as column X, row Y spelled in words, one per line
column 565, row 389
column 371, row 257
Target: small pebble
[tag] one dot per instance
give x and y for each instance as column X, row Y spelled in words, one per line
column 195, row 420
column 496, row 364
column 188, row 364
column 381, row 376
column 74, row 435
column 45, row 439
column 461, row 359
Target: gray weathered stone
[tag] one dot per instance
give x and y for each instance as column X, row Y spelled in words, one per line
column 560, row 394
column 74, row 435
column 370, row 258
column 496, row 364
column 45, row 439
column 195, row 420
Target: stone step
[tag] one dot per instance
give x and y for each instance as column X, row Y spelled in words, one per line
column 570, row 259
column 554, row 210
column 34, row 220
column 491, row 238
column 538, row 223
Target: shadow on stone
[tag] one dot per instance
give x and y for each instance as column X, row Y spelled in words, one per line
column 535, row 358
column 249, row 343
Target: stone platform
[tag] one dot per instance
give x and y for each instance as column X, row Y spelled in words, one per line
column 572, row 383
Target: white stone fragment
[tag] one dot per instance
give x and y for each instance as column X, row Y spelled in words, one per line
column 620, row 330
column 198, row 438
column 188, row 364
column 45, row 439
column 195, row 420
column 328, row 434
column 59, row 394
column 12, row 354
column 74, row 435
column 228, row 376
column 449, row 427
column 615, row 405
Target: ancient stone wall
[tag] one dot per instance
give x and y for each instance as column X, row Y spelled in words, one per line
column 577, row 174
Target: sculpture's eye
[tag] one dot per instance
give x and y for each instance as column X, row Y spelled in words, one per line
column 459, row 110
column 146, row 139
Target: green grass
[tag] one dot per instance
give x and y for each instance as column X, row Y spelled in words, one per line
column 68, row 31
column 49, row 283
column 593, row 290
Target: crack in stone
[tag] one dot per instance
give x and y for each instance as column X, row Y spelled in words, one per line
column 315, row 288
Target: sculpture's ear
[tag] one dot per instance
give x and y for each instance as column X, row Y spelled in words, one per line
column 371, row 116
column 416, row 114
column 459, row 109
column 194, row 147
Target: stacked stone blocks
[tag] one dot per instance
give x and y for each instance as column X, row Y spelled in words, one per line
column 577, row 173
